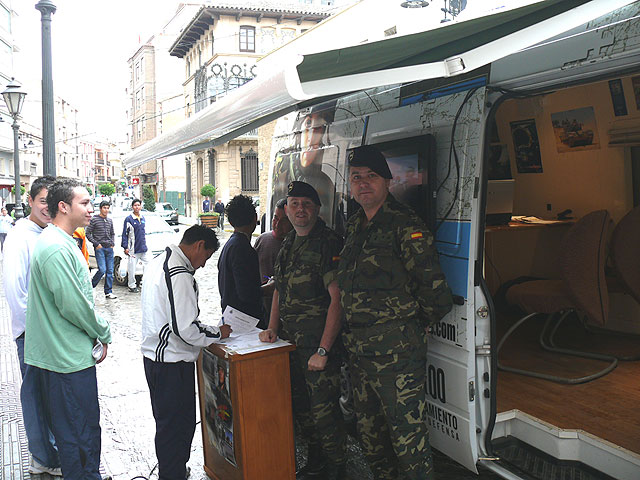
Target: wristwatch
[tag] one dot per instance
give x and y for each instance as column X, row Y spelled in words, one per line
column 322, row 352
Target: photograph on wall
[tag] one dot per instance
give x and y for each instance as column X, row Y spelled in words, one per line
column 575, row 130
column 526, row 146
column 218, row 409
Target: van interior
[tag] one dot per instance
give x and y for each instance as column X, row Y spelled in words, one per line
column 572, row 158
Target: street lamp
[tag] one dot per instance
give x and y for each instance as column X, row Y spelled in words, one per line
column 47, row 9
column 14, row 98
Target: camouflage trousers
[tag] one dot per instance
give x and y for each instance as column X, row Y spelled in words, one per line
column 315, row 404
column 389, row 398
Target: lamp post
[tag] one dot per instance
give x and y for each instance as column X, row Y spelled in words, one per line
column 47, row 9
column 14, row 98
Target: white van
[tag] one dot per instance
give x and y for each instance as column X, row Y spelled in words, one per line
column 528, row 112
column 559, row 125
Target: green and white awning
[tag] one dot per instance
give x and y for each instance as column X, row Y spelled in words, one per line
column 298, row 80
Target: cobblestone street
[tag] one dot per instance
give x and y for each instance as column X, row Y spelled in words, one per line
column 126, row 418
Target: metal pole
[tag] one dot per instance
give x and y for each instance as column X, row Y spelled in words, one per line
column 18, row 213
column 47, row 8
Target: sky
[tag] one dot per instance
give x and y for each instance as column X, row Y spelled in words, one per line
column 91, row 43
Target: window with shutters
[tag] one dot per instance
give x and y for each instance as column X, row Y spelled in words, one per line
column 249, row 170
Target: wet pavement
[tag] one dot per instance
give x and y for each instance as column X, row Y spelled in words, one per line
column 126, row 419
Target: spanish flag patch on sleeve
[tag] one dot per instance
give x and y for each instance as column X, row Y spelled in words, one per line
column 415, row 235
column 335, row 259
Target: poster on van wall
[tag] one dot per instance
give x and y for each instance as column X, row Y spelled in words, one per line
column 575, row 130
column 526, row 146
column 617, row 97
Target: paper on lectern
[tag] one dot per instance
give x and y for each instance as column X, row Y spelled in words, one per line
column 240, row 322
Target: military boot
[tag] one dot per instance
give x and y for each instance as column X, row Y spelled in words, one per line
column 316, row 463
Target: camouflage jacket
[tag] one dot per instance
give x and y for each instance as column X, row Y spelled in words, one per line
column 390, row 280
column 302, row 274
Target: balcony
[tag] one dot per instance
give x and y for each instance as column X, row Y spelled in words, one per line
column 100, row 161
column 101, row 178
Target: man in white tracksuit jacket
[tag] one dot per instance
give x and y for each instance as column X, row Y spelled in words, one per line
column 172, row 337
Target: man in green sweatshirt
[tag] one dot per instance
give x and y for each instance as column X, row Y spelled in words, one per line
column 61, row 329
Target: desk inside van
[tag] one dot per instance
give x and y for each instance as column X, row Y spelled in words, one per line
column 522, row 249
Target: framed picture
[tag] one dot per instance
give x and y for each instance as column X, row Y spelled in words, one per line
column 617, row 97
column 526, row 146
column 575, row 130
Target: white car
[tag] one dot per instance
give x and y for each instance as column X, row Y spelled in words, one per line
column 167, row 213
column 159, row 235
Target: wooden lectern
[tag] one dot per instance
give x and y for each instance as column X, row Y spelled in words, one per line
column 260, row 390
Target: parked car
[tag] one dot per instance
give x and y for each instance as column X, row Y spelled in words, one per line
column 166, row 211
column 159, row 236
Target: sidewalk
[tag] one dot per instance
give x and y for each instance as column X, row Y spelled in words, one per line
column 14, row 451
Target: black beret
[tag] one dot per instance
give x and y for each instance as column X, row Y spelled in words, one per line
column 369, row 156
column 302, row 189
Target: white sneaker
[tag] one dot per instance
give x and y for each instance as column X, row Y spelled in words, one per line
column 38, row 469
column 110, row 296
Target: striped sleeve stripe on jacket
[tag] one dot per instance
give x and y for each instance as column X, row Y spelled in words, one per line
column 163, row 336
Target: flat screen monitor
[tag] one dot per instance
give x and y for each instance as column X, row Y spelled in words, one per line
column 411, row 161
column 499, row 201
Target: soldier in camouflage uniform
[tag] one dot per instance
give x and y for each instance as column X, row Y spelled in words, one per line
column 306, row 307
column 392, row 289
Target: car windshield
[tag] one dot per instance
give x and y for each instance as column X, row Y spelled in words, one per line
column 166, row 206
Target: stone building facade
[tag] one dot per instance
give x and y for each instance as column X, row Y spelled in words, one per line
column 220, row 47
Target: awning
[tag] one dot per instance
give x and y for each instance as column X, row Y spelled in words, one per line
column 301, row 80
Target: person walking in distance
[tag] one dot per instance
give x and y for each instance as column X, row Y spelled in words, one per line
column 100, row 233
column 219, row 208
column 134, row 243
column 6, row 222
column 19, row 247
column 61, row 330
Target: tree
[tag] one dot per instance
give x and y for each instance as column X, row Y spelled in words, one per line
column 148, row 199
column 107, row 189
column 208, row 190
column 22, row 190
column 90, row 191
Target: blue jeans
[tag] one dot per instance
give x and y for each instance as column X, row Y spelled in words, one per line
column 72, row 400
column 37, row 423
column 104, row 259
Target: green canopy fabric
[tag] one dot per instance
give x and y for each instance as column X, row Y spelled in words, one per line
column 429, row 46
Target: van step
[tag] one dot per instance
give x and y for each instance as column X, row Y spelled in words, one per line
column 536, row 464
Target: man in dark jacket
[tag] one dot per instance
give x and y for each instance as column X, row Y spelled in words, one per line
column 134, row 242
column 100, row 233
column 238, row 267
column 219, row 208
